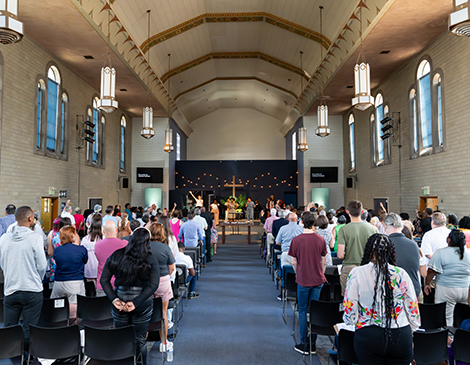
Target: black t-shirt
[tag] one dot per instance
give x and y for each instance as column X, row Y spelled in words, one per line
column 425, row 225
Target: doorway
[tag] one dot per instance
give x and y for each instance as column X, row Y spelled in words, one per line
column 93, row 201
column 49, row 211
column 428, row 201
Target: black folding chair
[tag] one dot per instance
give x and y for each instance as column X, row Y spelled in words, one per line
column 55, row 343
column 94, row 311
column 1, row 311
column 430, row 347
column 322, row 318
column 461, row 348
column 193, row 254
column 90, row 288
column 110, row 346
column 182, row 287
column 2, row 295
column 12, row 342
column 346, row 352
column 286, row 269
column 156, row 323
column 433, row 315
column 461, row 313
column 54, row 312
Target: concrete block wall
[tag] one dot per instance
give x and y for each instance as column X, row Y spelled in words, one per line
column 324, row 152
column 149, row 153
column 446, row 172
column 25, row 176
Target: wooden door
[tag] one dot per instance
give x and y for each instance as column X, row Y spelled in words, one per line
column 428, row 201
column 49, row 211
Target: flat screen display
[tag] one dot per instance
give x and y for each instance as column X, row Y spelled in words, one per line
column 324, row 174
column 152, row 175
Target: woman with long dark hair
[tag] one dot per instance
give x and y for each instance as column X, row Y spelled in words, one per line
column 170, row 238
column 380, row 301
column 94, row 235
column 451, row 267
column 137, row 274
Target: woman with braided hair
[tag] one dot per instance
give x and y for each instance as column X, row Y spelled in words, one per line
column 380, row 301
column 451, row 268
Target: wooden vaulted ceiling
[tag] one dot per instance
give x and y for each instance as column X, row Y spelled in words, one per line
column 233, row 53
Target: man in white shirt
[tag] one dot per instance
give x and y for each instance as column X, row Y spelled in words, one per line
column 436, row 238
column 67, row 213
column 182, row 259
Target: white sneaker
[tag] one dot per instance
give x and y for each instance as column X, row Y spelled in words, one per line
column 163, row 347
column 170, row 325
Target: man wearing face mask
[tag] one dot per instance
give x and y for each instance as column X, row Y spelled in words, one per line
column 23, row 248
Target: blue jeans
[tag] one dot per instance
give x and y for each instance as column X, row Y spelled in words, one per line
column 192, row 283
column 26, row 302
column 304, row 295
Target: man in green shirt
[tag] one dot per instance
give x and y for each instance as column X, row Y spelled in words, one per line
column 352, row 240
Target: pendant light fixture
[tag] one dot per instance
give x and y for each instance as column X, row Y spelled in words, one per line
column 302, row 145
column 459, row 19
column 147, row 131
column 362, row 99
column 322, row 111
column 11, row 29
column 107, row 102
column 168, row 132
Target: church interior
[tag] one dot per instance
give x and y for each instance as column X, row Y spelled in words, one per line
column 157, row 102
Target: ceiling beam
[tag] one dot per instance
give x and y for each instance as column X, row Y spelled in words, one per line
column 235, row 18
column 230, row 56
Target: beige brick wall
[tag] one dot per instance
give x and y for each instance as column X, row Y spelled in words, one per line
column 445, row 173
column 25, row 176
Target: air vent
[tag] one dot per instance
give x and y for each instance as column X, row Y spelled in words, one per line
column 385, row 52
column 349, row 87
column 89, row 57
column 122, row 89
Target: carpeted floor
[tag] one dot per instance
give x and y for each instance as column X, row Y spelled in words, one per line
column 237, row 318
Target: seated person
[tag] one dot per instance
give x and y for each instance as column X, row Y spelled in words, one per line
column 182, row 259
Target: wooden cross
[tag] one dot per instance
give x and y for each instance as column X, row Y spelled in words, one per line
column 233, row 186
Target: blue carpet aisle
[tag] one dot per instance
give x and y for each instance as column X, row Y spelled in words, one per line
column 237, row 319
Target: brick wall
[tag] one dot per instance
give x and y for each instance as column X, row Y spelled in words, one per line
column 446, row 172
column 25, row 176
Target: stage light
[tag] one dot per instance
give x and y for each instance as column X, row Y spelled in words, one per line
column 385, row 120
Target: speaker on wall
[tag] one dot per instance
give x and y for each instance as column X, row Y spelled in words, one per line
column 349, row 182
column 125, row 182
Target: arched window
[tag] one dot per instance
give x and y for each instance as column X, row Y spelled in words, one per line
column 53, row 86
column 425, row 109
column 63, row 123
column 352, row 149
column 437, row 84
column 96, row 130
column 123, row 143
column 379, row 114
column 414, row 122
column 373, row 141
column 41, row 87
column 178, row 146
column 101, row 147
column 294, row 146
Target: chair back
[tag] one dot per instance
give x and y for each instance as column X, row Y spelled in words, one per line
column 182, row 274
column 346, row 350
column 2, row 294
column 156, row 321
column 54, row 343
column 94, row 311
column 54, row 312
column 430, row 347
column 332, row 278
column 90, row 288
column 460, row 344
column 325, row 294
column 174, row 285
column 12, row 340
column 323, row 316
column 192, row 254
column 337, row 296
column 461, row 313
column 433, row 315
column 110, row 344
column 291, row 286
column 1, row 311
column 336, row 261
column 286, row 269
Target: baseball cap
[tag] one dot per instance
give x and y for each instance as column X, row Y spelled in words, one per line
column 97, row 208
column 77, row 209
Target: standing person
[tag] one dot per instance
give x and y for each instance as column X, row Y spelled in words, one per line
column 166, row 261
column 436, row 238
column 278, row 223
column 89, row 242
column 137, row 274
column 425, row 223
column 308, row 253
column 79, row 222
column 186, row 260
column 67, row 213
column 96, row 212
column 341, row 223
column 250, row 210
column 109, row 215
column 214, row 235
column 215, row 211
column 380, row 301
column 191, row 232
column 199, row 201
column 170, row 238
column 124, row 227
column 451, row 267
column 70, row 258
column 407, row 251
column 128, row 211
column 208, row 219
column 352, row 240
column 22, row 248
column 104, row 249
column 175, row 222
column 257, row 209
column 8, row 220
column 285, row 236
column 322, row 231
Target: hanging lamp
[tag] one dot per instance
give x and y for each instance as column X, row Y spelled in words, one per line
column 147, row 117
column 302, row 145
column 107, row 101
column 362, row 98
column 168, row 132
column 322, row 111
column 11, row 29
column 459, row 19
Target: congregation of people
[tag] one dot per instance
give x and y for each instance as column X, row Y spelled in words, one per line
column 388, row 266
column 130, row 256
